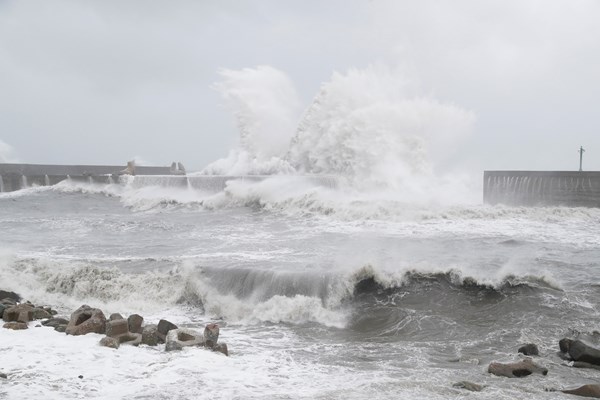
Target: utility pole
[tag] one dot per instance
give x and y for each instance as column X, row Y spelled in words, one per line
column 581, row 150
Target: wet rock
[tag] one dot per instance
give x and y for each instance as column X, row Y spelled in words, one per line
column 529, row 349
column 19, row 313
column 577, row 350
column 516, row 370
column 111, row 342
column 585, row 391
column 221, row 348
column 10, row 295
column 473, row 387
column 163, row 328
column 86, row 320
column 582, row 364
column 179, row 338
column 135, row 322
column 14, row 325
column 8, row 302
column 54, row 322
column 211, row 335
column 40, row 313
column 116, row 327
column 3, row 375
column 2, row 308
column 150, row 335
column 61, row 328
column 131, row 339
column 115, row 316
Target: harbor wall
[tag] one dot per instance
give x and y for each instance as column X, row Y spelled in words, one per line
column 542, row 188
column 17, row 176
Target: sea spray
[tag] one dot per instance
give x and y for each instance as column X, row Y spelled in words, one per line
column 266, row 107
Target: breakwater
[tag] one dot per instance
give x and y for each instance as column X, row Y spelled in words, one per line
column 17, row 176
column 542, row 188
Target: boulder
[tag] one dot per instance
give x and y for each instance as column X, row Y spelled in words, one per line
column 211, row 335
column 585, row 391
column 86, row 320
column 14, row 325
column 54, row 322
column 61, row 328
column 115, row 316
column 582, row 364
column 132, row 339
column 135, row 322
column 179, row 338
column 19, row 313
column 111, row 342
column 116, row 327
column 150, row 335
column 473, row 387
column 221, row 348
column 529, row 349
column 516, row 370
column 10, row 295
column 579, row 351
column 40, row 313
column 163, row 328
column 8, row 302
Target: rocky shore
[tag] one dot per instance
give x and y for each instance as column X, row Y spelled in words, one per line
column 118, row 330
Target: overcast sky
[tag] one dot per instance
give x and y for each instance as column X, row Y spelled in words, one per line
column 101, row 82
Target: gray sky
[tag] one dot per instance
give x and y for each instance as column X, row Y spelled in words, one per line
column 100, row 82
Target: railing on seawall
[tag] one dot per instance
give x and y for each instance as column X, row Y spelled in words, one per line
column 542, row 188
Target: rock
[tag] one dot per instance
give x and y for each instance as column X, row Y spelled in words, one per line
column 8, row 302
column 132, row 339
column 221, row 348
column 179, row 338
column 516, row 370
column 40, row 313
column 150, row 335
column 529, row 349
column 86, row 320
column 116, row 327
column 578, row 351
column 583, row 364
column 19, row 313
column 54, row 322
column 135, row 322
column 14, row 325
column 10, row 295
column 80, row 376
column 585, row 391
column 111, row 342
column 473, row 387
column 3, row 375
column 61, row 328
column 211, row 335
column 163, row 328
column 115, row 316
column 2, row 308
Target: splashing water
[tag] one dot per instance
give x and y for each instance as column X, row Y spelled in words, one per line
column 370, row 127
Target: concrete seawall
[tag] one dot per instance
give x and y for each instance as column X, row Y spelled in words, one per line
column 542, row 188
column 17, row 176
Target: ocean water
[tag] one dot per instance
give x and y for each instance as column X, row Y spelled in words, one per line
column 350, row 259
column 372, row 299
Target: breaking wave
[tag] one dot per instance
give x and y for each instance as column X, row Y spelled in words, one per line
column 245, row 295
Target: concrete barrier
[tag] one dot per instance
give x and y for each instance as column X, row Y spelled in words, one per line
column 542, row 188
column 17, row 176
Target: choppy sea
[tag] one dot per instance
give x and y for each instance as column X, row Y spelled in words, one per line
column 319, row 294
